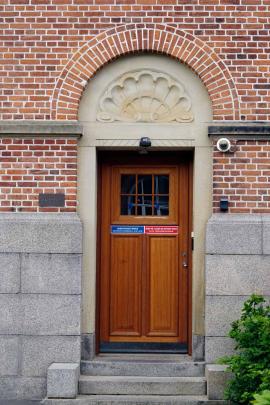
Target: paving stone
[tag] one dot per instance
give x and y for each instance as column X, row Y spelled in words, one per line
column 134, row 400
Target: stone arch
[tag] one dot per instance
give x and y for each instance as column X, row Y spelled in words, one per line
column 134, row 38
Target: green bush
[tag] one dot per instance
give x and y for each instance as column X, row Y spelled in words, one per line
column 262, row 399
column 251, row 363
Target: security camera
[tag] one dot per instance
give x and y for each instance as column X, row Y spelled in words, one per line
column 145, row 142
column 224, row 145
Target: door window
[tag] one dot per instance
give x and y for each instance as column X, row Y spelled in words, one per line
column 144, row 194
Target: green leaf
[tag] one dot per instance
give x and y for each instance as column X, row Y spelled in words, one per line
column 251, row 363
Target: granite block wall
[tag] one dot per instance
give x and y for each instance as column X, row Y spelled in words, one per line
column 40, row 299
column 237, row 265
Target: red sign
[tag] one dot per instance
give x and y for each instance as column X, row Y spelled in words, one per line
column 168, row 230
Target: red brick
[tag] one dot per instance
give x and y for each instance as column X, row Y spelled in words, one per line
column 24, row 177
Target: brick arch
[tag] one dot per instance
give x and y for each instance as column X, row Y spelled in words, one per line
column 152, row 38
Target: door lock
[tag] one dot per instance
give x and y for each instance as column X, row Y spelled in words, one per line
column 184, row 263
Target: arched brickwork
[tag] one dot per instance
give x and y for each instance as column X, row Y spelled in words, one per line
column 152, row 38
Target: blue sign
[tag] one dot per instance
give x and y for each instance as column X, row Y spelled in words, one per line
column 127, row 229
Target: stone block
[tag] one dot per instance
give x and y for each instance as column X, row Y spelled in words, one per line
column 220, row 312
column 10, row 314
column 51, row 273
column 198, row 347
column 237, row 274
column 22, row 388
column 9, row 273
column 234, row 234
column 88, row 342
column 217, row 347
column 266, row 234
column 38, row 352
column 51, row 314
column 62, row 380
column 9, row 355
column 217, row 377
column 40, row 233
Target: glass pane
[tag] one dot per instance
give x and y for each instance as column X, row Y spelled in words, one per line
column 161, row 184
column 145, row 184
column 161, row 206
column 127, row 205
column 128, row 185
column 144, row 205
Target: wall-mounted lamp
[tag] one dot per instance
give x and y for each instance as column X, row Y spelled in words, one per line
column 224, row 204
column 145, row 143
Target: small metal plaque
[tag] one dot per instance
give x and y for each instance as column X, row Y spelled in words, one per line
column 51, row 200
column 162, row 229
column 147, row 229
column 127, row 229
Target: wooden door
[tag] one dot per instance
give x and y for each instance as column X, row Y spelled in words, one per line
column 144, row 255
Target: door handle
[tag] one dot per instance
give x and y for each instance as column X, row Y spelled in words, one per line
column 184, row 263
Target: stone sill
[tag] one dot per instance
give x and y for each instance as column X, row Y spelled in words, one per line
column 40, row 128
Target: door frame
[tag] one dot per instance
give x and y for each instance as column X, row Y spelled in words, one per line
column 125, row 158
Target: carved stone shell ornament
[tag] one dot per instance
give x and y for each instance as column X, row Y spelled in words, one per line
column 145, row 96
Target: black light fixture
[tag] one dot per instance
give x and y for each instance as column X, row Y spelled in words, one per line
column 145, row 143
column 224, row 204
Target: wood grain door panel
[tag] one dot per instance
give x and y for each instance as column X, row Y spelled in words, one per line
column 125, row 285
column 162, row 286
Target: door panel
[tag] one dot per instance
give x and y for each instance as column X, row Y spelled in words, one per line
column 162, row 287
column 126, row 273
column 143, row 244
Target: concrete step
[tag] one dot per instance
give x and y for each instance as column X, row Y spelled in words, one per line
column 135, row 367
column 141, row 385
column 133, row 400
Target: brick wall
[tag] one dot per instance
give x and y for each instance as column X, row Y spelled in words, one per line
column 243, row 176
column 33, row 166
column 51, row 50
column 38, row 40
column 49, row 165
